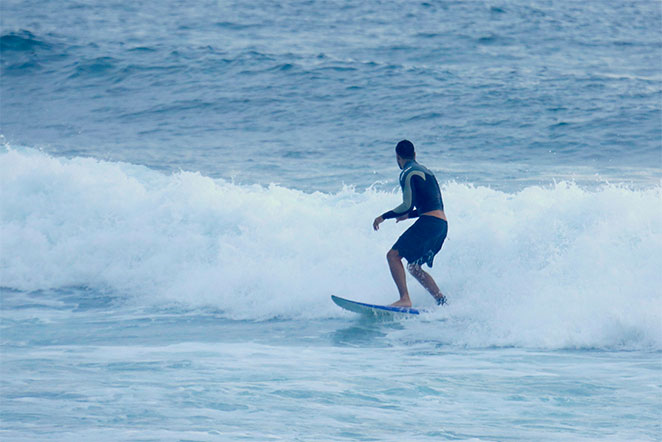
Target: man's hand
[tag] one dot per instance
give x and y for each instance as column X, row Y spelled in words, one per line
column 377, row 222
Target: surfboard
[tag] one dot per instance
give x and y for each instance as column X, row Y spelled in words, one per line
column 372, row 309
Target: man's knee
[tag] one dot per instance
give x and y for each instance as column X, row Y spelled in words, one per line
column 393, row 255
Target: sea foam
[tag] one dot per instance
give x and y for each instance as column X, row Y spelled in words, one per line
column 551, row 266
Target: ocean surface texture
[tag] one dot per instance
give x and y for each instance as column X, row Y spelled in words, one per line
column 183, row 185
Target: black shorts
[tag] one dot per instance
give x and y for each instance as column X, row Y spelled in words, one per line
column 422, row 241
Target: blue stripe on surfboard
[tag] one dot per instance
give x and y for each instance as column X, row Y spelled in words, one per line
column 362, row 307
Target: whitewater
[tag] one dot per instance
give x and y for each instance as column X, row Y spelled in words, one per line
column 549, row 266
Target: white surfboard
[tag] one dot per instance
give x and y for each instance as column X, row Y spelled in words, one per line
column 372, row 309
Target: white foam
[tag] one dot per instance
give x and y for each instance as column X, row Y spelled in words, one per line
column 548, row 266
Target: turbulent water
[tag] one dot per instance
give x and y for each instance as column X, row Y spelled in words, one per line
column 184, row 185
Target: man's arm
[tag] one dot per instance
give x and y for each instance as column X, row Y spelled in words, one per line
column 406, row 209
column 407, row 197
column 380, row 218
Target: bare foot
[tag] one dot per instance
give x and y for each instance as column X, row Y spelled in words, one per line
column 402, row 303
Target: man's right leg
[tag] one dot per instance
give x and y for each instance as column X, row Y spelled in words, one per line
column 399, row 276
column 428, row 282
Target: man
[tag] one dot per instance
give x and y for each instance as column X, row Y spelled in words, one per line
column 423, row 240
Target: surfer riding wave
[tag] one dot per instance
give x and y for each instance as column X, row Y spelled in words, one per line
column 420, row 243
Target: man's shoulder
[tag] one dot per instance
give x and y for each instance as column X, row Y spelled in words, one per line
column 424, row 169
column 414, row 167
column 404, row 172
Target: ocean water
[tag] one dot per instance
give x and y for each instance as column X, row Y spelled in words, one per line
column 184, row 185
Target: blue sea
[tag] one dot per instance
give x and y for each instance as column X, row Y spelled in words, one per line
column 183, row 185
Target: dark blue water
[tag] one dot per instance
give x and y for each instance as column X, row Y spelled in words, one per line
column 265, row 92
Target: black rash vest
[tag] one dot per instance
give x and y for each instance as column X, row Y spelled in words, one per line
column 420, row 192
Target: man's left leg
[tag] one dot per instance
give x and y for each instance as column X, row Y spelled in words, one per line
column 426, row 281
column 399, row 276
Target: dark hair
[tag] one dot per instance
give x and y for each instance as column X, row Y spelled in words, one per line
column 405, row 149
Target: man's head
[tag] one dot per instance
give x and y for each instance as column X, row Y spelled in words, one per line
column 404, row 152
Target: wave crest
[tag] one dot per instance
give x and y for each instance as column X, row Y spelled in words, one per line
column 549, row 266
